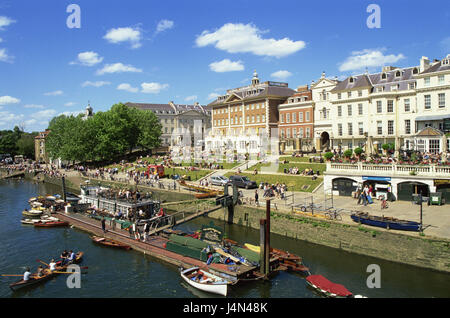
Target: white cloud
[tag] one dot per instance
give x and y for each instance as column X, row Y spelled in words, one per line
column 226, row 66
column 118, row 68
column 281, row 75
column 213, row 96
column 4, row 57
column 44, row 114
column 34, row 106
column 55, row 93
column 95, row 84
column 8, row 120
column 241, row 38
column 127, row 87
column 5, row 21
column 153, row 88
column 368, row 58
column 88, row 59
column 4, row 100
column 164, row 25
column 191, row 98
column 120, row 35
column 69, row 104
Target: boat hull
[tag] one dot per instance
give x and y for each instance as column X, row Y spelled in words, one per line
column 219, row 288
column 387, row 224
column 109, row 243
column 22, row 284
column 51, row 224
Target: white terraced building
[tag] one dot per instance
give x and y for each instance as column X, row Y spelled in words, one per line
column 407, row 106
column 395, row 104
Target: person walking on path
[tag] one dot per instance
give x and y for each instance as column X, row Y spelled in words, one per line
column 256, row 198
column 103, row 225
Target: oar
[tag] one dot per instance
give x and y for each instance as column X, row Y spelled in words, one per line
column 38, row 260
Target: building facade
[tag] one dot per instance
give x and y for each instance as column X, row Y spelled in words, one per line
column 390, row 106
column 245, row 117
column 178, row 120
column 39, row 147
column 321, row 95
column 296, row 121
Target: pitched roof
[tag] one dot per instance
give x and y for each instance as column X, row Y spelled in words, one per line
column 358, row 82
column 259, row 91
column 429, row 131
column 438, row 67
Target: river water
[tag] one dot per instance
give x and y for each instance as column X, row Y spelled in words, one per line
column 117, row 273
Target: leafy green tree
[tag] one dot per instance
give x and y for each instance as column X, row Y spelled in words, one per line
column 25, row 145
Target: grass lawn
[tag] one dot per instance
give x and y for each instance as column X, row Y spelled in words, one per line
column 226, row 165
column 294, row 159
column 294, row 183
column 195, row 175
column 300, row 165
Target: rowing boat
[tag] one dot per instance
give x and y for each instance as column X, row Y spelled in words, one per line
column 385, row 222
column 205, row 281
column 109, row 242
column 34, row 279
column 32, row 213
column 51, row 224
column 329, row 289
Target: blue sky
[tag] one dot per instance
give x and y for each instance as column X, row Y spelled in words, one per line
column 189, row 51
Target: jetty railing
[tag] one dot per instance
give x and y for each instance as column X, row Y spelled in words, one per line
column 431, row 170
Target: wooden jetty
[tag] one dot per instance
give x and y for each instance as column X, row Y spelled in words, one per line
column 15, row 174
column 155, row 246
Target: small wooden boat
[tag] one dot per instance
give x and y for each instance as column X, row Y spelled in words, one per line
column 251, row 247
column 109, row 242
column 51, row 224
column 386, row 222
column 47, row 274
column 32, row 213
column 290, row 261
column 327, row 288
column 205, row 281
column 29, row 221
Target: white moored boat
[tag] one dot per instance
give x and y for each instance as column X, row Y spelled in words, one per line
column 203, row 280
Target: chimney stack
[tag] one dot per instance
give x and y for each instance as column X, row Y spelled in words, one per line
column 424, row 63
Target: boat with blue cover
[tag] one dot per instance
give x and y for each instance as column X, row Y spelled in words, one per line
column 386, row 222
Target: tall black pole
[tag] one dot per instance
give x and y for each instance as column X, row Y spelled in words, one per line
column 64, row 188
column 420, row 199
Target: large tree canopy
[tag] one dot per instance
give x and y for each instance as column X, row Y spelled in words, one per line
column 105, row 136
column 17, row 142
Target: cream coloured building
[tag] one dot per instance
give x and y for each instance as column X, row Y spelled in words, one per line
column 391, row 106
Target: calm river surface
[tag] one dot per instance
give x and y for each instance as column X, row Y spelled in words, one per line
column 116, row 273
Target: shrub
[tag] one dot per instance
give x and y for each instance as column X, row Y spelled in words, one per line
column 328, row 155
column 348, row 153
column 358, row 151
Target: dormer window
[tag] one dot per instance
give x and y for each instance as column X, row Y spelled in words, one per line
column 415, row 71
column 398, row 74
column 351, row 80
column 383, row 76
column 445, row 61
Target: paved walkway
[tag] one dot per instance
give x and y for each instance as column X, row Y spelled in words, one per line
column 436, row 219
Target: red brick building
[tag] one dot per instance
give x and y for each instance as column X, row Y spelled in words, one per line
column 296, row 121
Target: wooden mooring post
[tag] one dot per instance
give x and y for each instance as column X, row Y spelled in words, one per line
column 264, row 242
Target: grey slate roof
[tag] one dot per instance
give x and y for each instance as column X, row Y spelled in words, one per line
column 438, row 67
column 375, row 80
column 268, row 90
column 168, row 108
